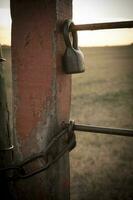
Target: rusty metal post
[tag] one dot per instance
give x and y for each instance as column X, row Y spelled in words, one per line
column 5, row 131
column 42, row 93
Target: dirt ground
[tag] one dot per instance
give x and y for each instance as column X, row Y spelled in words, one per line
column 102, row 165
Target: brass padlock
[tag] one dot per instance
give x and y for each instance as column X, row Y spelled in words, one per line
column 73, row 59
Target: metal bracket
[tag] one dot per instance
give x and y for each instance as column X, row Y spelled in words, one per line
column 7, row 148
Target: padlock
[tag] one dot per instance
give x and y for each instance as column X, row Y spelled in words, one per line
column 73, row 59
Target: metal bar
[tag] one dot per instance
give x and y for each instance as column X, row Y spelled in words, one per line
column 100, row 26
column 1, row 56
column 103, row 130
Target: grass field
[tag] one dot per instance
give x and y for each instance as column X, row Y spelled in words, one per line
column 101, row 165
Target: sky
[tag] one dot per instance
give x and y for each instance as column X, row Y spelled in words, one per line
column 86, row 11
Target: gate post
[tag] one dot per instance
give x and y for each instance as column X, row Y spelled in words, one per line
column 42, row 93
column 5, row 131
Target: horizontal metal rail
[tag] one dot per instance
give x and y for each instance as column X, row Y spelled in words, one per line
column 103, row 130
column 100, row 26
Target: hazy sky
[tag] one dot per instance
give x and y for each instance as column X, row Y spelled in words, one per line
column 86, row 11
column 5, row 22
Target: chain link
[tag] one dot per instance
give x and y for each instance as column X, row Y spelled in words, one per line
column 18, row 171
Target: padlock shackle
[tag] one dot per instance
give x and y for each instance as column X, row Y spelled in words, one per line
column 66, row 30
column 75, row 39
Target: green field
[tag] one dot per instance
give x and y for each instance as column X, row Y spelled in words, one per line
column 101, row 165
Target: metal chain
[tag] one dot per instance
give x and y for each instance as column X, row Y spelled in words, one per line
column 68, row 129
column 18, row 170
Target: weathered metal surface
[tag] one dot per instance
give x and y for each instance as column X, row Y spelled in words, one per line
column 19, row 171
column 73, row 59
column 4, row 113
column 100, row 26
column 5, row 131
column 103, row 130
column 41, row 93
column 1, row 56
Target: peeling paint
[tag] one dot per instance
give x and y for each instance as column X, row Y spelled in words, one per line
column 41, row 90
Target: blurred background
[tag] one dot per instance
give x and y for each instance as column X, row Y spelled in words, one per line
column 101, row 165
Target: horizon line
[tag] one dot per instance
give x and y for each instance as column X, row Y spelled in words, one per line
column 116, row 45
